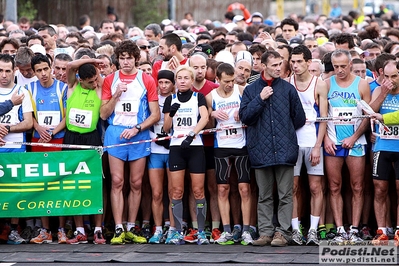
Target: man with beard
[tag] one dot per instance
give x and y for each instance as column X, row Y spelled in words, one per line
column 170, row 48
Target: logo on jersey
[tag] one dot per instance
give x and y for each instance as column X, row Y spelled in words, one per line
column 40, row 101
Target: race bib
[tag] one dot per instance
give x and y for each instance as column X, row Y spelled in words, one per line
column 9, row 119
column 394, row 134
column 48, row 119
column 80, row 118
column 230, row 133
column 345, row 113
column 127, row 107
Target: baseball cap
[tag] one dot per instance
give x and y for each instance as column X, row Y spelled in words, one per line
column 225, row 57
column 205, row 48
column 237, row 18
column 255, row 14
column 38, row 48
column 295, row 41
column 244, row 55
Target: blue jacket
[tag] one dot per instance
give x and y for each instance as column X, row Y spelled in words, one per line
column 271, row 137
column 6, row 107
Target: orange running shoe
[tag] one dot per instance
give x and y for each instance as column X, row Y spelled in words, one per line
column 191, row 236
column 380, row 238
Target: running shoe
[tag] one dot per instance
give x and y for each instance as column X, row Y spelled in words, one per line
column 202, row 238
column 365, row 233
column 312, row 238
column 254, row 234
column 43, row 237
column 380, row 238
column 62, row 238
column 176, row 238
column 297, row 237
column 78, row 239
column 165, row 231
column 169, row 236
column 236, row 234
column 119, row 237
column 225, row 239
column 340, row 238
column 354, row 238
column 133, row 237
column 246, row 238
column 215, row 235
column 98, row 238
column 331, row 234
column 146, row 231
column 191, row 236
column 15, row 239
column 390, row 233
column 27, row 233
column 396, row 238
column 156, row 238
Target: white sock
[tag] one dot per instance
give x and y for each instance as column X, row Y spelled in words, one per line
column 314, row 221
column 130, row 226
column 340, row 229
column 158, row 229
column 353, row 230
column 118, row 226
column 98, row 229
column 295, row 223
column 384, row 230
column 167, row 223
column 172, row 228
column 81, row 230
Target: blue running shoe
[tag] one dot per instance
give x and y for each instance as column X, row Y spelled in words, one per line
column 169, row 236
column 236, row 234
column 177, row 238
column 156, row 238
column 201, row 238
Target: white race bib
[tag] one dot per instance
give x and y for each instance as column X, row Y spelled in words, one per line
column 80, row 118
column 346, row 113
column 48, row 119
column 128, row 107
column 394, row 134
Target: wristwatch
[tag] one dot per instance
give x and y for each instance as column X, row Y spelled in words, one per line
column 8, row 128
column 51, row 134
column 191, row 134
column 138, row 127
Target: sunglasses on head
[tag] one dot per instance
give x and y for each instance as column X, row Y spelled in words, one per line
column 143, row 47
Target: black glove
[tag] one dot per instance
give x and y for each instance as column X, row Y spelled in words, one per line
column 165, row 143
column 186, row 143
column 173, row 109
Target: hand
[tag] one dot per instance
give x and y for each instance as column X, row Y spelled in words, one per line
column 373, row 137
column 329, row 146
column 264, row 35
column 186, row 143
column 120, row 88
column 2, row 142
column 387, row 86
column 236, row 116
column 43, row 133
column 173, row 63
column 348, row 143
column 3, row 131
column 173, row 109
column 315, row 156
column 129, row 133
column 377, row 116
column 164, row 143
column 220, row 115
column 266, row 92
column 17, row 99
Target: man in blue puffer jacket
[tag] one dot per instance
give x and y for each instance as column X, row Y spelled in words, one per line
column 272, row 110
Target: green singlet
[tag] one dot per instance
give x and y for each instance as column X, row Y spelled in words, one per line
column 83, row 110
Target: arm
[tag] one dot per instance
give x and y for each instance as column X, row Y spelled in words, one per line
column 211, row 122
column 321, row 92
column 73, row 66
column 24, row 125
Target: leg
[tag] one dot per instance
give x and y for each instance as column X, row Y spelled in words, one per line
column 137, row 168
column 156, row 177
column 333, row 169
column 316, row 194
column 284, row 183
column 356, row 170
column 265, row 180
column 223, row 201
column 117, row 199
column 380, row 195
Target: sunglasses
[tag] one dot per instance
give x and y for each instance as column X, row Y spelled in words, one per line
column 143, row 47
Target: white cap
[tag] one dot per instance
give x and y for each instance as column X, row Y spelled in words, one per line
column 244, row 55
column 38, row 48
column 225, row 57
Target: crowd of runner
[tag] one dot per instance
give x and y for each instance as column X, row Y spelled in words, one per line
column 235, row 109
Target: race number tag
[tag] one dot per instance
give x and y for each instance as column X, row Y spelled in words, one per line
column 80, row 118
column 231, row 131
column 345, row 113
column 393, row 134
column 9, row 119
column 48, row 119
column 127, row 107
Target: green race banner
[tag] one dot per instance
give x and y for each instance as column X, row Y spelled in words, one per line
column 50, row 184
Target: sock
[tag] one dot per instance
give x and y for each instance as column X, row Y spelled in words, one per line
column 238, row 226
column 329, row 227
column 201, row 213
column 158, row 229
column 227, row 228
column 81, row 230
column 60, row 229
column 130, row 226
column 177, row 210
column 245, row 228
column 384, row 230
column 38, row 223
column 195, row 224
column 145, row 222
column 295, row 224
column 322, row 227
column 172, row 228
column 97, row 228
column 215, row 224
column 253, row 228
column 118, row 226
column 30, row 223
column 314, row 221
column 340, row 229
column 354, row 229
column 167, row 223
